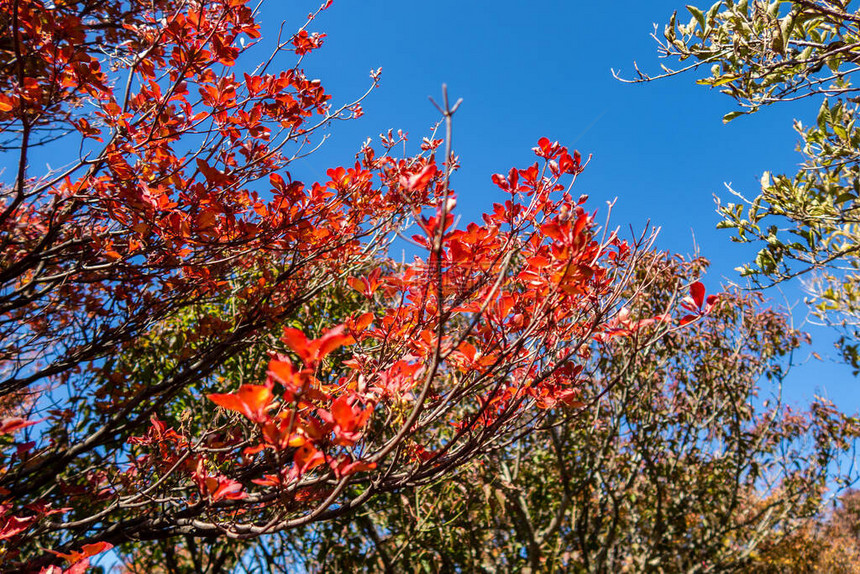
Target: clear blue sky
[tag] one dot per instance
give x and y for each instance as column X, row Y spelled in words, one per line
column 532, row 69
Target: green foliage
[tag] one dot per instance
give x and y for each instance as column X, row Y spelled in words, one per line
column 762, row 53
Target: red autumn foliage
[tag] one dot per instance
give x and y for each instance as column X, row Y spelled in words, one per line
column 180, row 209
column 696, row 303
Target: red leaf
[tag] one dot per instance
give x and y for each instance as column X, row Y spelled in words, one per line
column 697, row 292
column 331, row 340
column 710, row 301
column 538, row 261
column 500, row 181
column 343, row 467
column 283, row 372
column 546, row 149
column 313, row 351
column 12, row 424
column 419, row 180
column 15, row 525
column 82, row 556
column 298, row 342
column 687, row 319
column 580, row 224
column 342, row 413
column 228, row 489
column 553, row 230
column 356, row 284
column 6, row 103
column 277, row 182
column 468, row 350
column 362, row 322
column 530, row 174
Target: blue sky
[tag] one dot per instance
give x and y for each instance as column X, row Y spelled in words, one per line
column 532, row 69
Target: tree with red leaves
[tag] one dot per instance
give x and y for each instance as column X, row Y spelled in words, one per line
column 173, row 246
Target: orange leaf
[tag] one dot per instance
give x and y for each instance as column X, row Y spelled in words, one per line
column 333, row 339
column 538, row 261
column 342, row 413
column 356, row 284
column 250, row 400
column 96, row 548
column 306, row 458
column 6, row 104
column 362, row 322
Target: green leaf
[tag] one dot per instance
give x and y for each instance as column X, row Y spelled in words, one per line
column 823, row 115
column 773, row 8
column 840, row 131
column 712, row 13
column 786, row 26
column 669, row 31
column 725, row 80
column 732, row 115
column 698, row 15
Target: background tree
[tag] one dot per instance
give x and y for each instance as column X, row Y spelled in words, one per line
column 828, row 544
column 763, row 53
column 679, row 455
column 175, row 246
